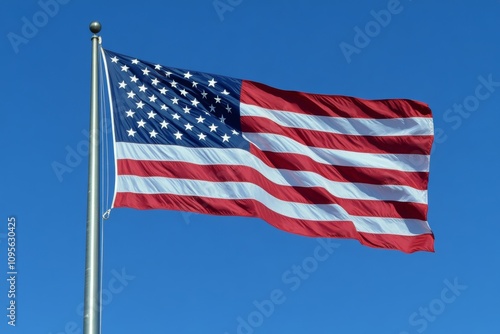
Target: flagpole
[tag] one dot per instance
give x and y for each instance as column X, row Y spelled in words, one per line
column 91, row 320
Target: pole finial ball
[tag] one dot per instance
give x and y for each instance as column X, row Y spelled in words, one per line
column 95, row 27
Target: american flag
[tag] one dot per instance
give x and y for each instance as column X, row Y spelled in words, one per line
column 310, row 164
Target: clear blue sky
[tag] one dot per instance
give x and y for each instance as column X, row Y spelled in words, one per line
column 168, row 272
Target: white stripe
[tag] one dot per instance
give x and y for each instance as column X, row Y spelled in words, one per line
column 244, row 190
column 233, row 156
column 397, row 226
column 283, row 144
column 411, row 126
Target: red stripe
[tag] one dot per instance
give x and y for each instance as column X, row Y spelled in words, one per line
column 377, row 176
column 251, row 208
column 307, row 195
column 264, row 96
column 424, row 242
column 364, row 144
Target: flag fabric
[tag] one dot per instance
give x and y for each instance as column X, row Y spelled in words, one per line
column 309, row 164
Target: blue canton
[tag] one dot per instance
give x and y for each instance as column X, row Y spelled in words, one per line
column 155, row 104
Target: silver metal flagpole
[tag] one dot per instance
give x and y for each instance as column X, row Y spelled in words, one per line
column 91, row 320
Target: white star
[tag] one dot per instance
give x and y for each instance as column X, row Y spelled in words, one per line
column 178, row 135
column 228, row 108
column 152, row 98
column 202, row 136
column 141, row 123
column 135, row 62
column 151, row 114
column 188, row 126
column 235, row 132
column 114, row 59
column 183, row 92
column 125, row 68
column 175, row 100
column 212, row 83
column 212, row 108
column 213, row 127
column 176, row 116
column 217, row 99
column 122, row 84
column 157, row 67
column 186, row 109
column 134, row 79
column 142, row 88
column 195, row 84
column 163, row 91
column 155, row 81
column 225, row 92
column 225, row 138
column 222, row 119
column 200, row 119
column 145, row 71
column 187, row 75
column 130, row 113
column 131, row 132
column 173, row 84
column 164, row 124
column 195, row 102
column 204, row 94
column 131, row 95
column 140, row 104
column 163, row 107
column 167, row 74
column 153, row 134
